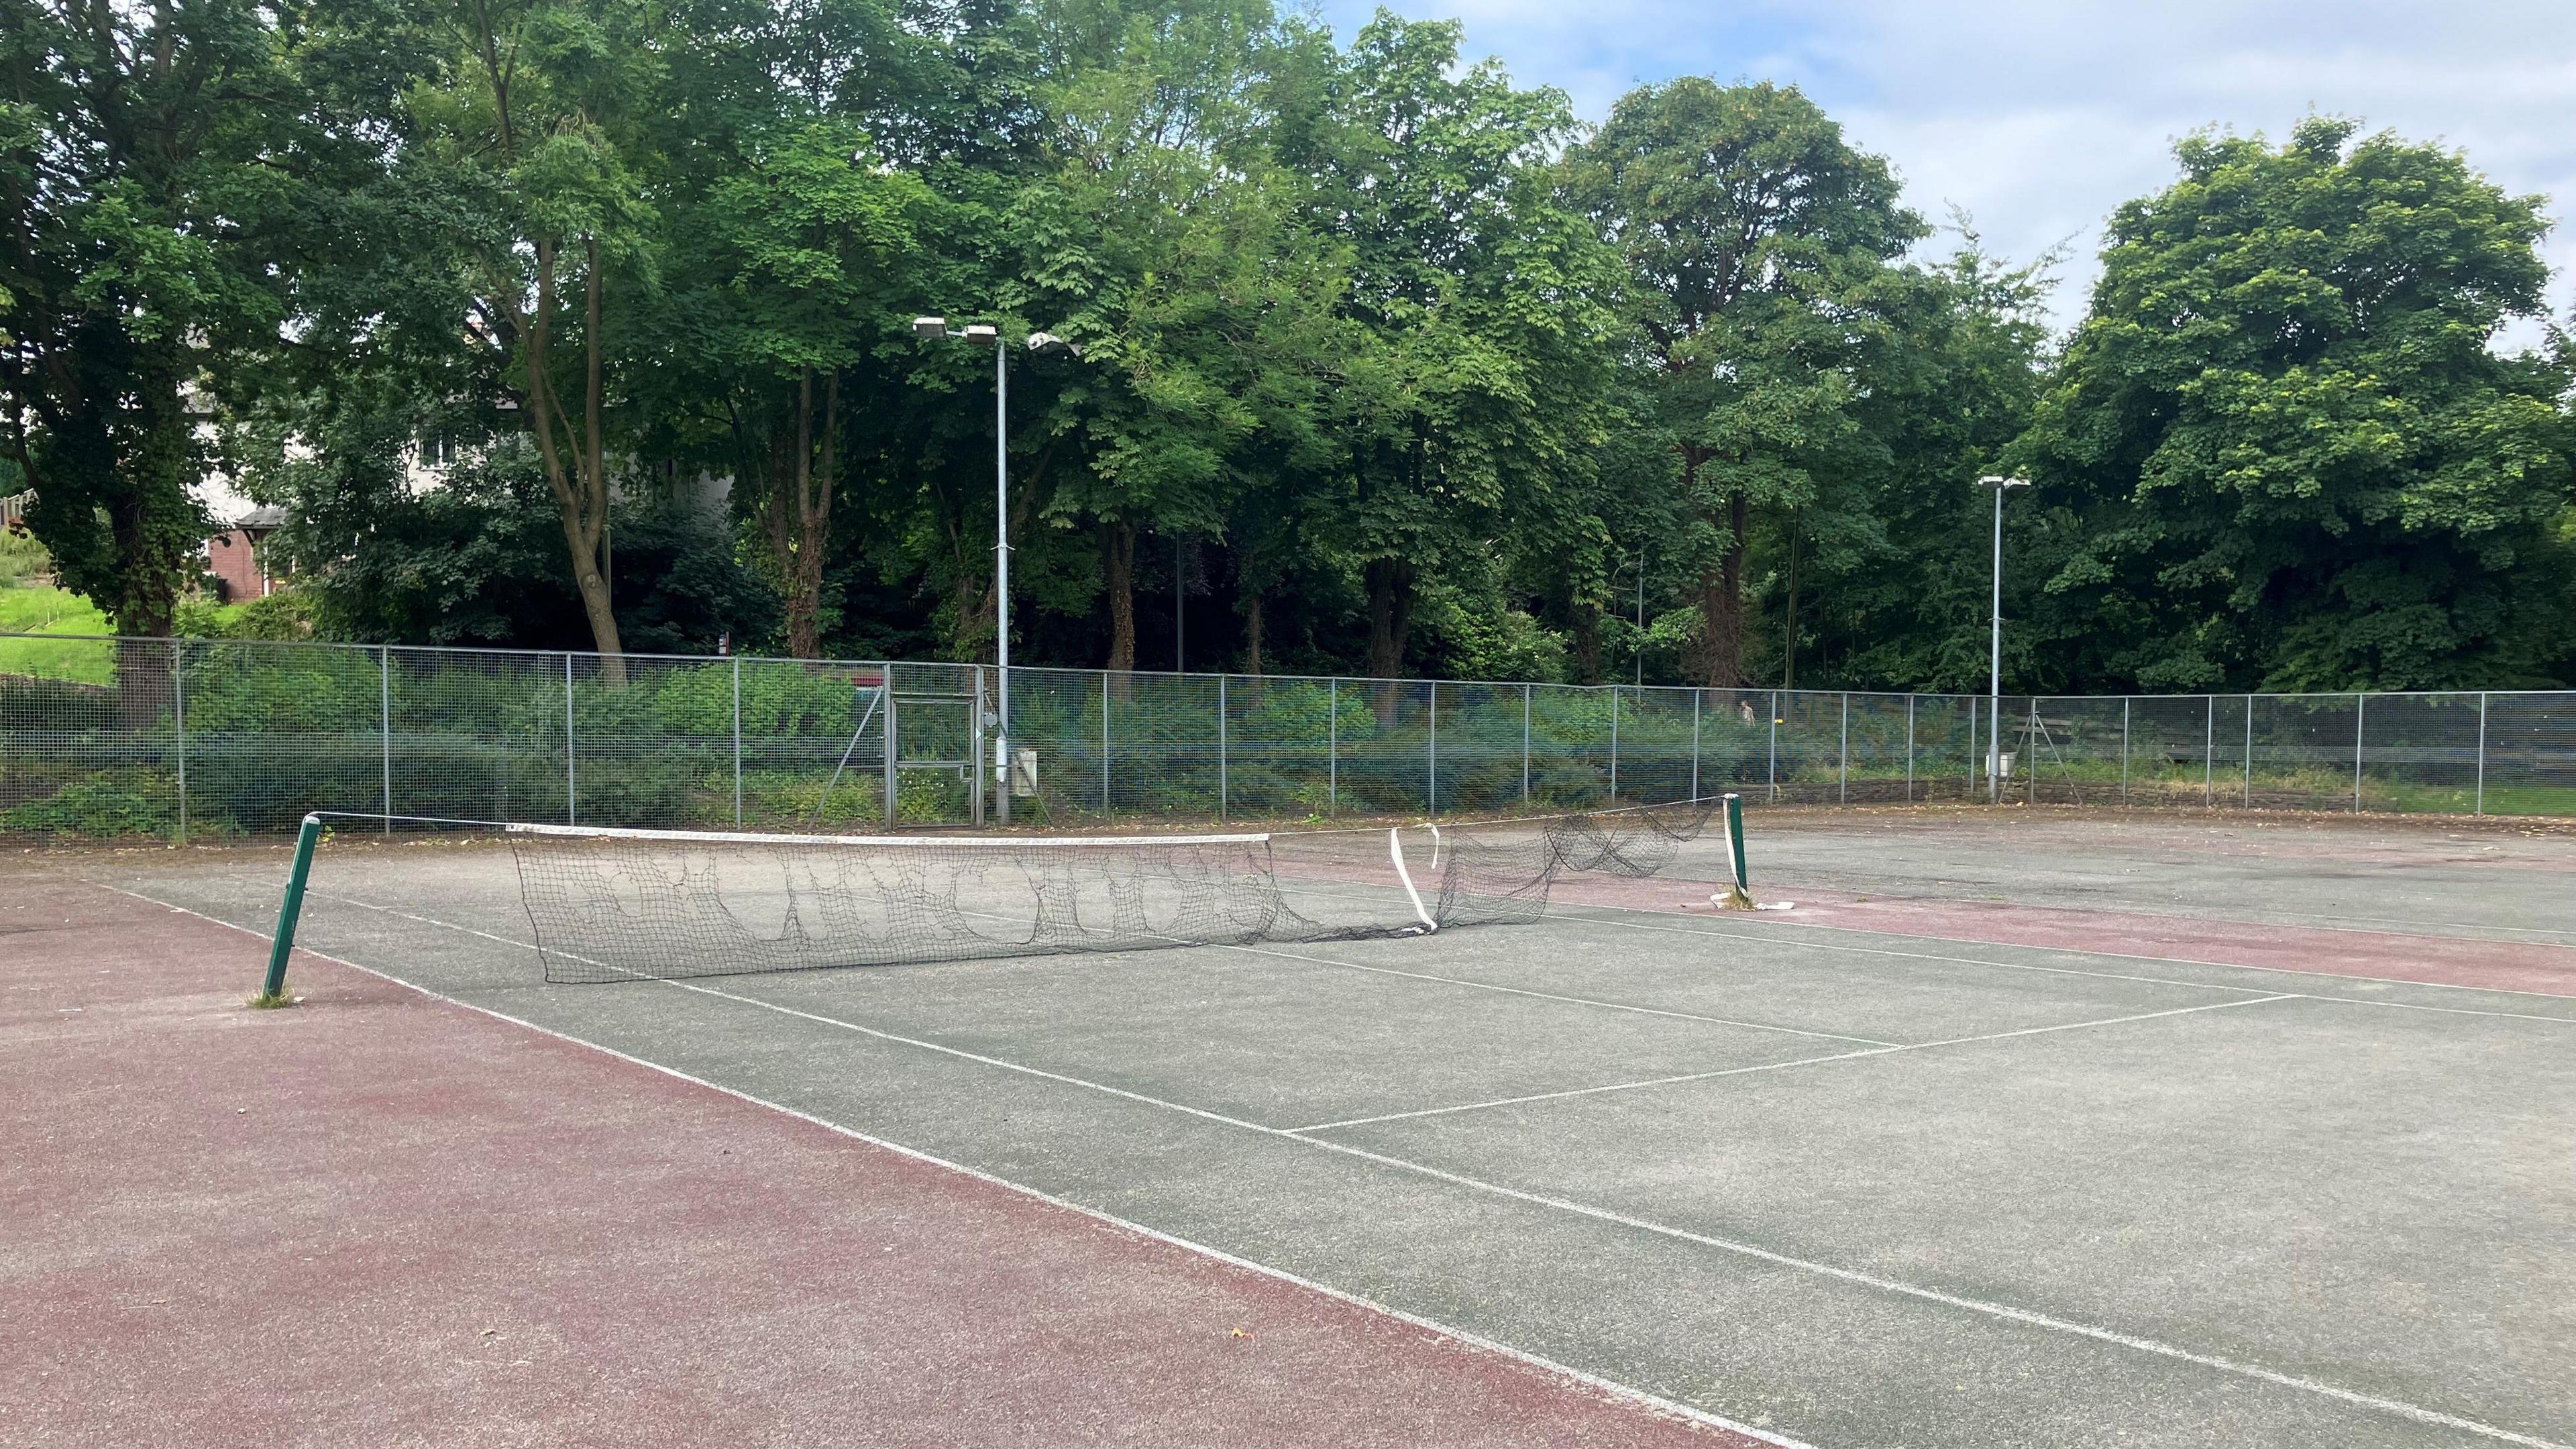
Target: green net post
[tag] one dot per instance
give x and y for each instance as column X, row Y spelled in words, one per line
column 1738, row 895
column 292, row 907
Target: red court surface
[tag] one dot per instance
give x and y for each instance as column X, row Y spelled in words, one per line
column 385, row 1219
column 2375, row 955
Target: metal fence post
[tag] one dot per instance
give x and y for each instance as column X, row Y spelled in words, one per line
column 1614, row 744
column 1696, row 692
column 2124, row 751
column 572, row 808
column 1972, row 747
column 2359, row 702
column 2249, row 752
column 737, row 742
column 1222, row 791
column 1909, row 749
column 385, row 726
column 891, row 743
column 2482, row 752
column 1525, row 742
column 1432, row 717
column 1772, row 768
column 1104, row 742
column 2209, row 752
column 1842, row 762
column 1333, row 746
column 179, row 725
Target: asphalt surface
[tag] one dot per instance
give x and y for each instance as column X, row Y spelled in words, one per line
column 1841, row 1186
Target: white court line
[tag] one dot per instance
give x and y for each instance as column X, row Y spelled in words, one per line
column 2001, row 1311
column 1781, row 1066
column 1592, row 1001
column 1588, row 913
column 1653, row 1403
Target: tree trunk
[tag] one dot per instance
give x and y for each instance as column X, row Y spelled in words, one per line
column 1789, row 626
column 1584, row 620
column 1390, row 589
column 580, row 484
column 1722, row 600
column 797, row 514
column 1252, row 612
column 1118, row 567
column 150, row 527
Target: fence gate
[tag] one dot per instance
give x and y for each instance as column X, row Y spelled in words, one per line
column 934, row 745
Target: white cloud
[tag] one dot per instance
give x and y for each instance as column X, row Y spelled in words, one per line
column 2040, row 116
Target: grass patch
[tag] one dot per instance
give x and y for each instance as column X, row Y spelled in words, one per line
column 272, row 1000
column 54, row 611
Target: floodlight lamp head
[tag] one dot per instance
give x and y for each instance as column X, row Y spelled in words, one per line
column 930, row 329
column 1045, row 343
column 1999, row 481
column 982, row 334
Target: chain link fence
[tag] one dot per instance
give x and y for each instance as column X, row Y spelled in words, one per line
column 196, row 739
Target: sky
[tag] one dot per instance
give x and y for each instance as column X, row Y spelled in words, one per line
column 2037, row 119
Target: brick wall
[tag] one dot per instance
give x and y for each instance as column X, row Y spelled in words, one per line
column 233, row 558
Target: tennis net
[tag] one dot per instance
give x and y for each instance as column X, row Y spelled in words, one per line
column 623, row 905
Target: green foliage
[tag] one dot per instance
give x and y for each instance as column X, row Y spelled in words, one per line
column 2297, row 462
column 1770, row 312
column 94, row 809
column 561, row 323
column 161, row 235
column 21, row 559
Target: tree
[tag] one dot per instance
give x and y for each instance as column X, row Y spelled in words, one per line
column 1476, row 362
column 168, row 174
column 1760, row 246
column 530, row 156
column 2299, row 461
column 808, row 246
column 1163, row 241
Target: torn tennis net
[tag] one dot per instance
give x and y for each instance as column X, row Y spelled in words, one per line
column 622, row 905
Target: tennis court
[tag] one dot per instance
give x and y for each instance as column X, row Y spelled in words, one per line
column 2029, row 1128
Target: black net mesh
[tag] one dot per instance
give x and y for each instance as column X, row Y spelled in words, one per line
column 623, row 905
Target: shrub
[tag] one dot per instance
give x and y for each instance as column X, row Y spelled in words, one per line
column 96, row 809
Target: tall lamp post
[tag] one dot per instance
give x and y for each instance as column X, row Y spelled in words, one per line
column 935, row 329
column 1995, row 642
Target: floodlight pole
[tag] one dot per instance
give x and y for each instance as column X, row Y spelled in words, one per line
column 1002, row 579
column 1995, row 645
column 935, row 329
